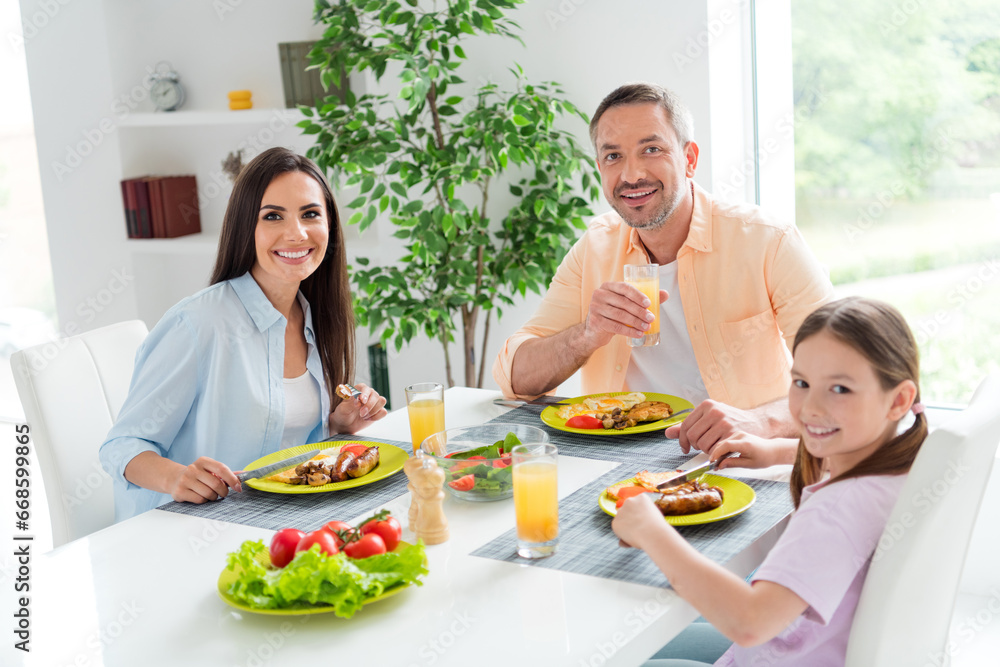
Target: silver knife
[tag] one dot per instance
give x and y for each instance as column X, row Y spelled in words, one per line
column 541, row 400
column 694, row 473
column 272, row 468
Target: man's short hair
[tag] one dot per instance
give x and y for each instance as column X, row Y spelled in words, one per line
column 644, row 93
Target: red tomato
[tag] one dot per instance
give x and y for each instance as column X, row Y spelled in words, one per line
column 463, row 483
column 473, row 458
column 357, row 450
column 462, row 465
column 502, row 462
column 324, row 538
column 369, row 545
column 337, row 526
column 628, row 492
column 584, row 421
column 283, row 546
column 388, row 529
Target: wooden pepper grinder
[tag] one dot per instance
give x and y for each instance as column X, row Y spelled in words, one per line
column 428, row 480
column 413, row 464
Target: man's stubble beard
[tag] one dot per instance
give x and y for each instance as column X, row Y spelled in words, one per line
column 658, row 219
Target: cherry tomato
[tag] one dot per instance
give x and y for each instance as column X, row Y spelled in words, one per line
column 283, row 546
column 388, row 529
column 584, row 421
column 369, row 545
column 324, row 538
column 337, row 526
column 628, row 492
column 463, row 483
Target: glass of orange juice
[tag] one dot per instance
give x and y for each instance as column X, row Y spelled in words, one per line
column 646, row 279
column 536, row 499
column 425, row 406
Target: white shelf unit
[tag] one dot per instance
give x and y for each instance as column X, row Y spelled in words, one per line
column 182, row 118
column 181, row 245
column 224, row 48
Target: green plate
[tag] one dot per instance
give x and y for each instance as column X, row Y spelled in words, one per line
column 391, row 460
column 737, row 498
column 550, row 414
column 229, row 576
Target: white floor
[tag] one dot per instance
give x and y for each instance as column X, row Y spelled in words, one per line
column 975, row 634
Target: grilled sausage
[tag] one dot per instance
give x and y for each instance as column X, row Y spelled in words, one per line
column 698, row 500
column 362, row 465
column 338, row 472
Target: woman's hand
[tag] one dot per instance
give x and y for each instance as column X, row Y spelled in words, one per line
column 638, row 520
column 755, row 451
column 205, row 479
column 354, row 414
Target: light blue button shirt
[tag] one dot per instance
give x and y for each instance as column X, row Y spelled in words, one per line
column 208, row 382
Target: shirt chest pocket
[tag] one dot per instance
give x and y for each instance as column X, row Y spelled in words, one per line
column 754, row 349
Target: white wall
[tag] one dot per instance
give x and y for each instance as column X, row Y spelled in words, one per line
column 71, row 95
column 88, row 55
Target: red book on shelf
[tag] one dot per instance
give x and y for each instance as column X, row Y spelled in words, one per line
column 142, row 208
column 128, row 197
column 179, row 197
column 156, row 206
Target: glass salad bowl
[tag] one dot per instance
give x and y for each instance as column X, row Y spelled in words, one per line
column 476, row 459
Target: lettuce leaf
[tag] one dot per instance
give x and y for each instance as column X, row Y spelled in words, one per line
column 314, row 578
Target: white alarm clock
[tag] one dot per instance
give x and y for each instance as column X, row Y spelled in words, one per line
column 166, row 91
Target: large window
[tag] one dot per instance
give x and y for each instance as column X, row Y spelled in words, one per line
column 897, row 168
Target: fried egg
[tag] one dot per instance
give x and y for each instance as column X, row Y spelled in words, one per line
column 598, row 405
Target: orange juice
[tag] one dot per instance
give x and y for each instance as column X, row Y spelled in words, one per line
column 426, row 418
column 536, row 503
column 651, row 288
column 646, row 279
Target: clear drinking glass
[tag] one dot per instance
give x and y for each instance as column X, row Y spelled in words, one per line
column 425, row 407
column 536, row 499
column 646, row 279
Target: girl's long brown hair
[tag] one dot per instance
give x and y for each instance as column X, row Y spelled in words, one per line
column 327, row 289
column 880, row 334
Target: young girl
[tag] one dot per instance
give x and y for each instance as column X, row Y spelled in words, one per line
column 854, row 377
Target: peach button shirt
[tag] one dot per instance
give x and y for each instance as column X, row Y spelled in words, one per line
column 746, row 284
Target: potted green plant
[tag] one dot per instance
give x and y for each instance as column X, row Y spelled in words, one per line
column 430, row 158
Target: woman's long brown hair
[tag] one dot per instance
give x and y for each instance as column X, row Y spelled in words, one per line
column 879, row 333
column 327, row 289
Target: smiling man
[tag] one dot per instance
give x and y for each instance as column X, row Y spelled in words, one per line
column 736, row 286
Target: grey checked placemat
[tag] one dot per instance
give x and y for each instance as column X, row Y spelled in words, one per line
column 587, row 545
column 304, row 511
column 647, row 450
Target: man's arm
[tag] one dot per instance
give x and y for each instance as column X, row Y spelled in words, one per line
column 541, row 364
column 712, row 422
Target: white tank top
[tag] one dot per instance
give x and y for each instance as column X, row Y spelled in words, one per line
column 670, row 367
column 302, row 405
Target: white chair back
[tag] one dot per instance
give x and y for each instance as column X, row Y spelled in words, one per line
column 904, row 615
column 71, row 390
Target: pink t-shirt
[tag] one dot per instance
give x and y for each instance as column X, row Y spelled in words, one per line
column 823, row 557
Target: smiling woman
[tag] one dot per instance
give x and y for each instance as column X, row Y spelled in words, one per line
column 248, row 365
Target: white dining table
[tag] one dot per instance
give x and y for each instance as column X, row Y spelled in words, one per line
column 143, row 592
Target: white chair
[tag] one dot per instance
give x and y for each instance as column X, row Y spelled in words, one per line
column 905, row 611
column 71, row 390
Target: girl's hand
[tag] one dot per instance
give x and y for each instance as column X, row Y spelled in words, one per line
column 637, row 520
column 353, row 415
column 205, row 479
column 755, row 451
